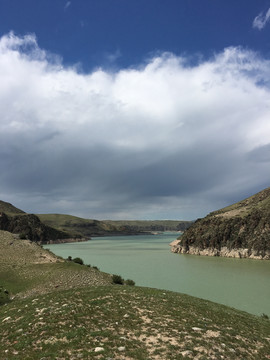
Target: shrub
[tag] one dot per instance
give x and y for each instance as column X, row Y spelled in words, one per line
column 264, row 316
column 130, row 282
column 4, row 296
column 22, row 236
column 78, row 260
column 117, row 279
column 69, row 258
column 95, row 267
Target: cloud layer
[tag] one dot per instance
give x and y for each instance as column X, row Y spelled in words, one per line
column 261, row 20
column 165, row 139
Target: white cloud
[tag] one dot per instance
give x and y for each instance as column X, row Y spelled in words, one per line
column 134, row 141
column 67, row 5
column 261, row 20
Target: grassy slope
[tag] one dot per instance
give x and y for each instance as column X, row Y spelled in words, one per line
column 9, row 208
column 27, row 269
column 76, row 225
column 63, row 310
column 88, row 227
column 128, row 323
column 148, row 225
column 260, row 201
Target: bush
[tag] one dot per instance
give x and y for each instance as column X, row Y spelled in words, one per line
column 22, row 236
column 95, row 267
column 4, row 296
column 117, row 279
column 264, row 316
column 78, row 260
column 69, row 258
column 130, row 282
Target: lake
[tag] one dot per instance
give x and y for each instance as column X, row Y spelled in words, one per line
column 240, row 283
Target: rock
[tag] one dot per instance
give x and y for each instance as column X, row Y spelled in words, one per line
column 99, row 349
column 6, row 319
column 186, row 353
column 196, row 329
column 240, row 230
column 121, row 348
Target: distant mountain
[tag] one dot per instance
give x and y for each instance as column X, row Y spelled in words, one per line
column 54, row 228
column 83, row 227
column 239, row 230
column 151, row 225
column 88, row 227
column 28, row 226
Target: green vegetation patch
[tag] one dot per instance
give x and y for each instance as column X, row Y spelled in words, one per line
column 27, row 269
column 128, row 323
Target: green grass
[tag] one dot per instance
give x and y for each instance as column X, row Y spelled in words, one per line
column 88, row 227
column 148, row 225
column 63, row 310
column 9, row 208
column 76, row 225
column 260, row 201
column 26, row 268
column 147, row 323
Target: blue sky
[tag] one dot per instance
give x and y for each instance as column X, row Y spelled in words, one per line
column 94, row 32
column 133, row 109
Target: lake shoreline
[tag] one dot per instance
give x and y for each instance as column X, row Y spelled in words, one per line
column 239, row 283
column 239, row 253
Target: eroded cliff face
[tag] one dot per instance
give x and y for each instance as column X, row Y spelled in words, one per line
column 241, row 230
column 32, row 228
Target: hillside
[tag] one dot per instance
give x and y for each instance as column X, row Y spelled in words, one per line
column 29, row 226
column 88, row 227
column 28, row 269
column 84, row 227
column 54, row 228
column 150, row 225
column 63, row 310
column 238, row 230
column 9, row 208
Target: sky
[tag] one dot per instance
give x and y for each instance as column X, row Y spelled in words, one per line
column 116, row 109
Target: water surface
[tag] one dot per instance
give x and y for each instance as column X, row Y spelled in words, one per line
column 146, row 259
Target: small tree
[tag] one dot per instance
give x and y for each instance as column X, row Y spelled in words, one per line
column 4, row 296
column 130, row 282
column 117, row 279
column 78, row 260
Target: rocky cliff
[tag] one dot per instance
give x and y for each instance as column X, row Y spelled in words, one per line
column 239, row 230
column 30, row 227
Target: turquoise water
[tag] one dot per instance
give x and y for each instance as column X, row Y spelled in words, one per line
column 240, row 283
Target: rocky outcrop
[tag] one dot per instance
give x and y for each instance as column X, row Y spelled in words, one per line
column 224, row 252
column 30, row 227
column 241, row 230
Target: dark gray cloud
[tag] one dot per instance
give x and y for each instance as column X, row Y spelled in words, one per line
column 162, row 141
column 260, row 154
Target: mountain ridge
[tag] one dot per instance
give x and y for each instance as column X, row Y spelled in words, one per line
column 58, row 228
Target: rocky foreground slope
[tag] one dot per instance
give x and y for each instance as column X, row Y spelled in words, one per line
column 239, row 230
column 63, row 310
